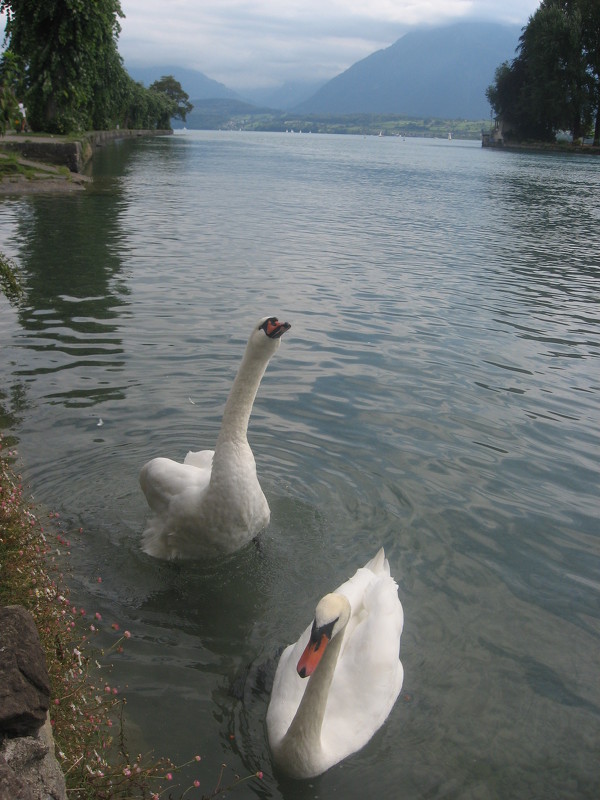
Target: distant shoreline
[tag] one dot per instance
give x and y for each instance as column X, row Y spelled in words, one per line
column 544, row 147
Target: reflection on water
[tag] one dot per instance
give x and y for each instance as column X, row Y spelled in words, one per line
column 437, row 395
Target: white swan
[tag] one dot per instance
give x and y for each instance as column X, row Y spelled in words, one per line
column 212, row 503
column 351, row 653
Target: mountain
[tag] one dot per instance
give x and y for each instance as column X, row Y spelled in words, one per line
column 196, row 84
column 429, row 72
column 284, row 97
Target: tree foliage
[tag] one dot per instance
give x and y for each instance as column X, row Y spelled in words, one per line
column 554, row 81
column 71, row 76
column 178, row 105
column 11, row 89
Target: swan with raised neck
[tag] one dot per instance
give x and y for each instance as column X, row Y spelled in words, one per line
column 212, row 503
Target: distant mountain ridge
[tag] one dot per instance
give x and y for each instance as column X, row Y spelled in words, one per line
column 429, row 72
column 438, row 72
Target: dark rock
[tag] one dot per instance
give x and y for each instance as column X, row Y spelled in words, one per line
column 24, row 681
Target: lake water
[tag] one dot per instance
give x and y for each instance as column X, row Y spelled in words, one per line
column 438, row 394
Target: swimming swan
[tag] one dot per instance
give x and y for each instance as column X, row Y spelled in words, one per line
column 350, row 655
column 212, row 503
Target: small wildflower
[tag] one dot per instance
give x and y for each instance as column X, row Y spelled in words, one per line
column 169, row 776
column 127, row 634
column 259, row 775
column 196, row 783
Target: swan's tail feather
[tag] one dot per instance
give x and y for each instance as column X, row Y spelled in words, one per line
column 379, row 564
column 155, row 541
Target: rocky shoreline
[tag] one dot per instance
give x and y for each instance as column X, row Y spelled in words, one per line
column 28, row 766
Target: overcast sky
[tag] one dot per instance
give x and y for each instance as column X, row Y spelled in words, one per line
column 262, row 43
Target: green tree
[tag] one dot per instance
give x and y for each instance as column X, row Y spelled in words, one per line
column 176, row 102
column 557, row 90
column 11, row 89
column 552, row 83
column 590, row 18
column 74, row 74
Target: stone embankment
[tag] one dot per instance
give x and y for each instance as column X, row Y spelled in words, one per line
column 28, row 766
column 42, row 158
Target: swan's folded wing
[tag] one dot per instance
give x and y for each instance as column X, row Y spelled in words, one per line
column 162, row 479
column 201, row 458
column 369, row 674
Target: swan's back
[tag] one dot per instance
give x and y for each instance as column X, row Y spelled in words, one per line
column 369, row 674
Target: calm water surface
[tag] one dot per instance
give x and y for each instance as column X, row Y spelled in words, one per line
column 438, row 394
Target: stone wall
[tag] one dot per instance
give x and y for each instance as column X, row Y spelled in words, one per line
column 72, row 153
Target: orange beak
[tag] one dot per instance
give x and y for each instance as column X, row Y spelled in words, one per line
column 311, row 656
column 275, row 329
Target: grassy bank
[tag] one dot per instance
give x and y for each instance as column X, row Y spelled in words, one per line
column 86, row 709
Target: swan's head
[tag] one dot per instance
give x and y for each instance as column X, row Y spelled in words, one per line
column 266, row 334
column 331, row 617
column 272, row 327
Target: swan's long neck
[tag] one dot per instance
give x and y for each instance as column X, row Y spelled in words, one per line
column 303, row 737
column 234, row 426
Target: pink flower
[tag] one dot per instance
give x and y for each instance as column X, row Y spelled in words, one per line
column 127, row 772
column 196, row 784
column 98, row 615
column 126, row 634
column 169, row 776
column 197, row 758
column 259, row 775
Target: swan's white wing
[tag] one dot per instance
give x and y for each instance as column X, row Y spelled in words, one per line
column 163, row 479
column 201, row 458
column 368, row 676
